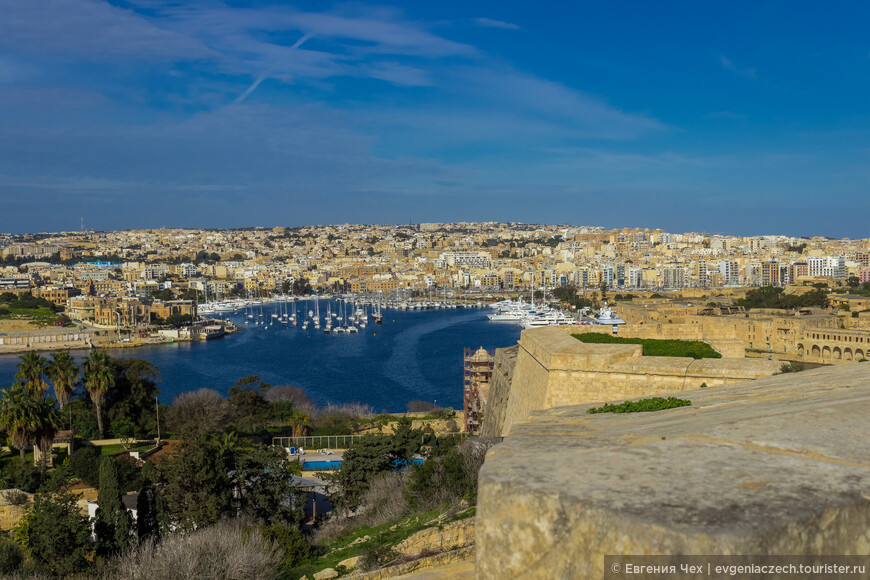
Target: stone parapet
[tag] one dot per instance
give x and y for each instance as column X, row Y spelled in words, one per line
column 753, row 468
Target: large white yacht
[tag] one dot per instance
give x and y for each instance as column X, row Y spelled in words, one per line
column 550, row 318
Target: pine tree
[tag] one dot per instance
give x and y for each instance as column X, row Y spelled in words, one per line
column 147, row 517
column 112, row 525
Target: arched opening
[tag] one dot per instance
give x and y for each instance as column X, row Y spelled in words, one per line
column 800, row 350
column 847, row 353
column 826, row 352
column 816, row 350
column 838, row 354
column 859, row 354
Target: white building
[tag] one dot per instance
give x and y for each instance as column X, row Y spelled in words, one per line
column 473, row 259
column 834, row 267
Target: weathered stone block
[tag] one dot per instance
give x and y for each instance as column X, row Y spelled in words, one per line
column 350, row 563
column 458, row 534
column 326, row 574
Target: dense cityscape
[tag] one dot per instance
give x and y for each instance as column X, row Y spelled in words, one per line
column 423, row 258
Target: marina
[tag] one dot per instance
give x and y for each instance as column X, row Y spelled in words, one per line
column 531, row 315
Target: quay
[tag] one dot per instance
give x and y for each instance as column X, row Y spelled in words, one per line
column 83, row 337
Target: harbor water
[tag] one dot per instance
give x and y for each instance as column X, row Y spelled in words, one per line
column 413, row 355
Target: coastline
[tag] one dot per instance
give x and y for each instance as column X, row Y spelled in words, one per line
column 85, row 338
column 413, row 355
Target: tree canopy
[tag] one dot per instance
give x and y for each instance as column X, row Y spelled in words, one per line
column 775, row 297
column 371, row 456
column 210, row 480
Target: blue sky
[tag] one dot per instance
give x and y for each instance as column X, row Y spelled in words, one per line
column 733, row 117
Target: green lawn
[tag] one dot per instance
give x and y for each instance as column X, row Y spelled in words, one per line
column 654, row 346
column 117, row 448
column 6, row 457
column 41, row 315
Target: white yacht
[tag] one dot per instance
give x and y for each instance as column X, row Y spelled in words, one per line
column 550, row 318
column 606, row 316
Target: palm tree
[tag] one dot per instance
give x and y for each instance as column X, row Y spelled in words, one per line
column 299, row 421
column 47, row 424
column 231, row 442
column 30, row 369
column 63, row 370
column 99, row 378
column 19, row 415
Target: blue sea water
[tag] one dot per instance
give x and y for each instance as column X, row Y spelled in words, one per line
column 413, row 355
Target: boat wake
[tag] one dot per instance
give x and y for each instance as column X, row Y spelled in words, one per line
column 403, row 366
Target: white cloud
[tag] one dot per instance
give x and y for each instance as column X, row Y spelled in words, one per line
column 727, row 64
column 263, row 42
column 91, row 29
column 491, row 23
column 557, row 103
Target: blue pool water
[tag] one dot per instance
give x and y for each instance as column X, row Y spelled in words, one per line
column 336, row 464
column 321, row 465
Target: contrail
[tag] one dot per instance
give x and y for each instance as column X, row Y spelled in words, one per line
column 249, row 90
column 261, row 78
column 299, row 42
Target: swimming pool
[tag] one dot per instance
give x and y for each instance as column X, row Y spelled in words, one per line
column 321, row 465
column 331, row 464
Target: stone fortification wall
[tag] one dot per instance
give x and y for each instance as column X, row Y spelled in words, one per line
column 499, row 391
column 817, row 338
column 552, row 369
column 754, row 468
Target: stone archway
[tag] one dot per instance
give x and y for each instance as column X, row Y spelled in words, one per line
column 859, row 354
column 800, row 350
column 847, row 354
column 838, row 354
column 817, row 352
column 826, row 352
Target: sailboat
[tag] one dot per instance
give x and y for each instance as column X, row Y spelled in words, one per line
column 376, row 313
column 317, row 313
column 283, row 319
column 339, row 328
column 349, row 328
column 328, row 326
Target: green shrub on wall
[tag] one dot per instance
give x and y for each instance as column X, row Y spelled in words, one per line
column 642, row 406
column 654, row 346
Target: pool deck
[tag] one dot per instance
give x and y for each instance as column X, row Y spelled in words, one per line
column 315, row 456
